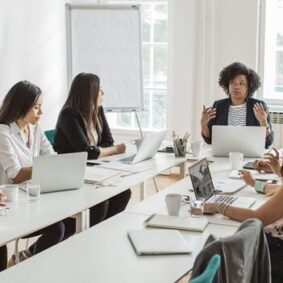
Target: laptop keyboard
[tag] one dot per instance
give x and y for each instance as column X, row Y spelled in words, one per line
column 222, row 199
column 128, row 159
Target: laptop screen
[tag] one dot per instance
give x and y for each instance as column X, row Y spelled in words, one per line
column 201, row 179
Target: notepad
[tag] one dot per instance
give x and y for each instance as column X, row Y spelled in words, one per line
column 158, row 242
column 177, row 222
column 97, row 174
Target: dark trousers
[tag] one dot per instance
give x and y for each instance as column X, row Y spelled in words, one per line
column 50, row 236
column 3, row 257
column 109, row 207
column 276, row 257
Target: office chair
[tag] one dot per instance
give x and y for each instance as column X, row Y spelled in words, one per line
column 50, row 135
column 244, row 255
column 209, row 273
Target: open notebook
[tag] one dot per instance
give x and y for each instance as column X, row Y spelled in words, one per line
column 156, row 241
column 177, row 222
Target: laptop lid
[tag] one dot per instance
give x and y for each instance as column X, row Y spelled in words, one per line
column 201, row 179
column 59, row 172
column 149, row 146
column 250, row 140
column 158, row 241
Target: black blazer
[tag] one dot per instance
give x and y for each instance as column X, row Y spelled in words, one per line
column 71, row 134
column 222, row 109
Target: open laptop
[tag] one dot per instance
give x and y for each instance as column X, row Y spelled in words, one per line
column 59, row 172
column 147, row 149
column 158, row 241
column 250, row 140
column 204, row 188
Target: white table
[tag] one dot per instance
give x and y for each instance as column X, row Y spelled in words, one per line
column 27, row 217
column 103, row 254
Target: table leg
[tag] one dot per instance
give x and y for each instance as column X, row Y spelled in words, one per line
column 183, row 170
column 142, row 190
column 82, row 220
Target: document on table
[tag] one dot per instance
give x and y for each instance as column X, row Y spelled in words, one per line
column 98, row 174
column 130, row 168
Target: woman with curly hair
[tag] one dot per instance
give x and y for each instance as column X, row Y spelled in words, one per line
column 240, row 108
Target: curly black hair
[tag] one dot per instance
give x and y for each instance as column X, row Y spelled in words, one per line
column 235, row 69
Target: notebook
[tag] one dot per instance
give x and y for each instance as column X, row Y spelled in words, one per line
column 98, row 174
column 204, row 188
column 250, row 140
column 158, row 242
column 177, row 222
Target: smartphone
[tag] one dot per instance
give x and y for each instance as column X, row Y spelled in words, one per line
column 249, row 165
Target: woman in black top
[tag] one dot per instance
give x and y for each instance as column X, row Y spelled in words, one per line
column 239, row 83
column 82, row 126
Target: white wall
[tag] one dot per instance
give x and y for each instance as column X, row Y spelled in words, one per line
column 205, row 36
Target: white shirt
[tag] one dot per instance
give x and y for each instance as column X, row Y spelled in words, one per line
column 15, row 154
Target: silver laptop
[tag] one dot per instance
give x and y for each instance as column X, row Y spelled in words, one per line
column 204, row 188
column 250, row 140
column 59, row 172
column 158, row 241
column 147, row 149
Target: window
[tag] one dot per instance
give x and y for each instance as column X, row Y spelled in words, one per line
column 155, row 48
column 273, row 52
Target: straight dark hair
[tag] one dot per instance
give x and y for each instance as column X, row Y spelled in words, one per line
column 18, row 101
column 83, row 97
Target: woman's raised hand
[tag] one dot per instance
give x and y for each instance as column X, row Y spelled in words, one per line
column 260, row 114
column 207, row 114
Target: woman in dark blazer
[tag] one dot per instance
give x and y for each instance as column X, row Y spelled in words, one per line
column 239, row 109
column 82, row 126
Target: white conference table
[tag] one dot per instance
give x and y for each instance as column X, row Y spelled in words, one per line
column 26, row 217
column 104, row 254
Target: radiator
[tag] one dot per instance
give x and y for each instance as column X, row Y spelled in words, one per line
column 277, row 126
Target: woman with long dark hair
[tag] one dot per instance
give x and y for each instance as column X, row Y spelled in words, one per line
column 21, row 139
column 82, row 126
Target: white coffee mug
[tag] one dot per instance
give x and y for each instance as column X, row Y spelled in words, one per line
column 173, row 203
column 11, row 192
column 196, row 148
column 236, row 160
column 137, row 142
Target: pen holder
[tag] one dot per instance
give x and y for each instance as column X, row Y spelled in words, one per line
column 180, row 146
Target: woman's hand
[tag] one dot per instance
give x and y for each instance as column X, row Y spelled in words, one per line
column 210, row 208
column 273, row 161
column 247, row 177
column 262, row 166
column 260, row 114
column 207, row 114
column 120, row 148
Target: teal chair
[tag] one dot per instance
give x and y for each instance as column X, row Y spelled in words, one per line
column 208, row 275
column 50, row 135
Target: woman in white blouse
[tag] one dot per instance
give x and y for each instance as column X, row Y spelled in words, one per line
column 21, row 139
column 271, row 215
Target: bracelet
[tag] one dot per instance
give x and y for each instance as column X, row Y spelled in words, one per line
column 259, row 186
column 221, row 208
